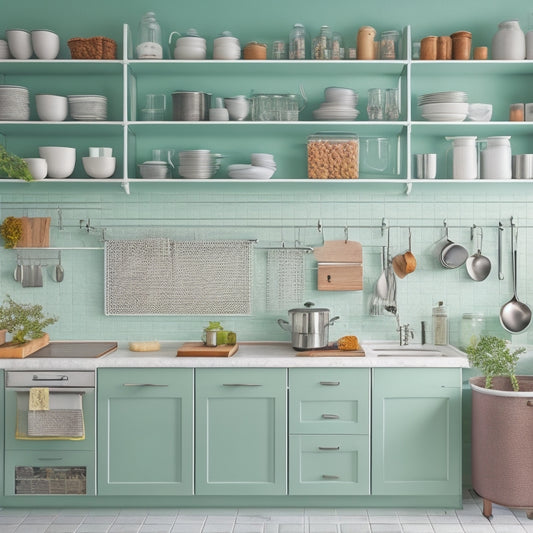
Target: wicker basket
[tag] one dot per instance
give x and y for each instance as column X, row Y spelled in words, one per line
column 92, row 48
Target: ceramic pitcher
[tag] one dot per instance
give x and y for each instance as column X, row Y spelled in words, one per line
column 509, row 42
column 496, row 159
column 464, row 154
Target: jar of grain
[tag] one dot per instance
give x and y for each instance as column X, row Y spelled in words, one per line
column 255, row 50
column 333, row 156
column 389, row 45
column 366, row 48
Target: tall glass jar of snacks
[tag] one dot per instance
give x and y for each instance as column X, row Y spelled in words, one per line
column 322, row 44
column 297, row 42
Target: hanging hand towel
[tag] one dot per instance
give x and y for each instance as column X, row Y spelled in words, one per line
column 39, row 399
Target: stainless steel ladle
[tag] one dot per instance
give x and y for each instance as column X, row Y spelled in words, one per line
column 477, row 265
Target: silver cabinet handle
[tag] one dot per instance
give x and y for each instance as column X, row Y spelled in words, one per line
column 242, row 385
column 329, row 448
column 50, row 458
column 330, row 383
column 330, row 417
column 35, row 377
column 145, row 385
column 328, row 476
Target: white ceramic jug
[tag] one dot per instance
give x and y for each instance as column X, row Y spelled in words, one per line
column 496, row 159
column 464, row 151
column 509, row 42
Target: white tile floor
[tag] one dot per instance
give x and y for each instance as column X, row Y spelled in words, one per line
column 325, row 520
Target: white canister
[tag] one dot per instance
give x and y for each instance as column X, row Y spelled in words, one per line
column 509, row 42
column 496, row 158
column 464, row 152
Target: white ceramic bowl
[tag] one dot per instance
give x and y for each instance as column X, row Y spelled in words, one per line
column 51, row 107
column 19, row 42
column 99, row 167
column 154, row 170
column 38, row 167
column 444, row 107
column 480, row 112
column 238, row 107
column 218, row 114
column 61, row 160
column 45, row 44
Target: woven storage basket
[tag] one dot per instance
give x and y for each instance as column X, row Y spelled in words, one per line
column 92, row 48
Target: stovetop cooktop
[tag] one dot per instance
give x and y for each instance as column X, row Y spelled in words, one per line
column 75, row 350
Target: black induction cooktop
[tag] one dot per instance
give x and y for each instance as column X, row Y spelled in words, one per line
column 75, row 349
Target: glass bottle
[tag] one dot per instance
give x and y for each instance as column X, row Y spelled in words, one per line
column 440, row 324
column 149, row 44
column 337, row 46
column 297, row 42
column 472, row 327
column 322, row 44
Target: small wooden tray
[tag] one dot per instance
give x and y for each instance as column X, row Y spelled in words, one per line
column 332, row 353
column 199, row 349
column 19, row 351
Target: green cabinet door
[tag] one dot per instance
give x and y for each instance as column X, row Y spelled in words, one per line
column 145, row 431
column 241, row 431
column 416, row 431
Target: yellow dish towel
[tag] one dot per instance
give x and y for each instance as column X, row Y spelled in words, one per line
column 39, row 399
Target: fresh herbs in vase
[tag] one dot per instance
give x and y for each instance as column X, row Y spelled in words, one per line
column 25, row 322
column 493, row 357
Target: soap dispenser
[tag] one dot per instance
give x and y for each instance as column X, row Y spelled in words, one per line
column 440, row 324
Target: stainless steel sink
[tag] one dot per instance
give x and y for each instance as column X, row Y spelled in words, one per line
column 393, row 349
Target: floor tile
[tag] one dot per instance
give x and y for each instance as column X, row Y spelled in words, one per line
column 93, row 528
column 165, row 520
column 323, row 528
column 7, row 528
column 155, row 528
column 417, row 528
column 213, row 527
column 355, row 528
column 124, row 528
column 448, row 528
column 32, row 528
column 61, row 528
column 291, row 528
column 385, row 528
column 248, row 528
column 186, row 528
column 477, row 528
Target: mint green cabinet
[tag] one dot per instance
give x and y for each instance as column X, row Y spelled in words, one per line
column 241, row 435
column 329, row 424
column 145, row 431
column 416, row 431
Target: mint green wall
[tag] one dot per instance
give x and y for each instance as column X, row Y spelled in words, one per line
column 248, row 211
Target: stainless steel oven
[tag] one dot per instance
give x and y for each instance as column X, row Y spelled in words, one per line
column 50, row 433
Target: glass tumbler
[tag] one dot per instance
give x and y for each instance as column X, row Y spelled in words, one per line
column 392, row 104
column 376, row 104
column 154, row 107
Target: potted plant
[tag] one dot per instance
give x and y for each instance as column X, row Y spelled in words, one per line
column 502, row 426
column 26, row 323
column 14, row 166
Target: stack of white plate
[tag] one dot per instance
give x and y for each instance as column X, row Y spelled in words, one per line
column 448, row 106
column 88, row 107
column 262, row 168
column 198, row 164
column 14, row 103
column 339, row 104
column 4, row 49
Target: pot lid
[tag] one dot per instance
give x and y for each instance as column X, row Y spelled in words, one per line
column 309, row 309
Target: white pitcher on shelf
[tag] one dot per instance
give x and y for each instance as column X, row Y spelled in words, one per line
column 465, row 158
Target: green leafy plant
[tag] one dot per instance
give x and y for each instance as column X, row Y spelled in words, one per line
column 14, row 166
column 24, row 321
column 11, row 231
column 494, row 358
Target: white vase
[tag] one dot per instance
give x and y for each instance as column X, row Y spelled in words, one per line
column 509, row 42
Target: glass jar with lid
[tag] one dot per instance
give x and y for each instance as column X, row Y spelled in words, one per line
column 322, row 44
column 472, row 327
column 297, row 42
column 149, row 45
column 389, row 44
column 332, row 155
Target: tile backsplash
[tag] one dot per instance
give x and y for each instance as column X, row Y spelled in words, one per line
column 278, row 215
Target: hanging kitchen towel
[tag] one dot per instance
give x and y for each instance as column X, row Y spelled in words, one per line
column 162, row 277
column 62, row 421
column 39, row 399
column 285, row 278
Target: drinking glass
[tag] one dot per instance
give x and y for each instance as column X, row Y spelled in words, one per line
column 392, row 104
column 154, row 108
column 376, row 104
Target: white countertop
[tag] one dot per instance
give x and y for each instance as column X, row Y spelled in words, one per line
column 261, row 354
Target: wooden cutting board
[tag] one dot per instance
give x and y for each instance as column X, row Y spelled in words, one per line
column 35, row 232
column 332, row 353
column 339, row 252
column 199, row 349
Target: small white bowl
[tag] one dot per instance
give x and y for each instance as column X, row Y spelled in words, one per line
column 61, row 160
column 480, row 112
column 37, row 166
column 45, row 44
column 51, row 107
column 99, row 167
column 218, row 114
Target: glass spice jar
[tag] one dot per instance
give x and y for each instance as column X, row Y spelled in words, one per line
column 322, row 44
column 389, row 44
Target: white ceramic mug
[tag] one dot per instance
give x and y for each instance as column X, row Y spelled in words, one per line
column 45, row 44
column 51, row 107
column 19, row 42
column 37, row 166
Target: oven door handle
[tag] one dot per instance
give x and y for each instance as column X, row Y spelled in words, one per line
column 61, row 377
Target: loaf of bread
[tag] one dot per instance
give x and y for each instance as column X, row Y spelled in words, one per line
column 348, row 343
column 144, row 346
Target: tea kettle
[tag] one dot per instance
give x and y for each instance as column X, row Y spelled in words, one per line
column 188, row 46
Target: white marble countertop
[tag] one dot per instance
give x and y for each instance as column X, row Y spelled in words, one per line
column 249, row 354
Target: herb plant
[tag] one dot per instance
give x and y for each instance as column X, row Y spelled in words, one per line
column 494, row 358
column 14, row 166
column 24, row 321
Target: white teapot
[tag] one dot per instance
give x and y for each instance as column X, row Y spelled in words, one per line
column 188, row 46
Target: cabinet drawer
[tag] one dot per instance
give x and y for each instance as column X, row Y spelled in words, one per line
column 329, row 464
column 49, row 472
column 329, row 400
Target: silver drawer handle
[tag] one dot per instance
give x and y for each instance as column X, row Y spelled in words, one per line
column 330, row 417
column 327, row 476
column 59, row 378
column 333, row 448
column 241, row 385
column 50, row 458
column 330, row 383
column 144, row 385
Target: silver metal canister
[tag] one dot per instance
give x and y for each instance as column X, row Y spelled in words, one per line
column 522, row 165
column 190, row 105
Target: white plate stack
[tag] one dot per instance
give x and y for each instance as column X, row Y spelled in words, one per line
column 14, row 103
column 87, row 107
column 4, row 49
column 262, row 168
column 198, row 164
column 448, row 106
column 339, row 104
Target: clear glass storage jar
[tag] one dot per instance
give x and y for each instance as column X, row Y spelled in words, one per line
column 472, row 327
column 389, row 44
column 297, row 42
column 149, row 45
column 333, row 156
column 322, row 44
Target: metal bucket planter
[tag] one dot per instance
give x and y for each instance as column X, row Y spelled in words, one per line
column 502, row 432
